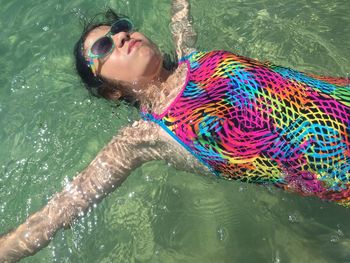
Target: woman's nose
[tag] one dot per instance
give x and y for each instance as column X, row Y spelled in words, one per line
column 120, row 38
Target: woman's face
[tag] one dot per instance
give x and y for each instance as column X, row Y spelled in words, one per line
column 135, row 59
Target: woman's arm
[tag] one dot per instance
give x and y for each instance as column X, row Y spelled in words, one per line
column 132, row 147
column 182, row 29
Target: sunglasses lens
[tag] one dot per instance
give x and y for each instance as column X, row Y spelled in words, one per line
column 102, row 46
column 122, row 25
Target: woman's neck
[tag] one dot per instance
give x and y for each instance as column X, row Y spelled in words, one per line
column 161, row 93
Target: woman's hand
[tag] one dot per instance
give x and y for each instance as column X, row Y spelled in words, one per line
column 182, row 29
column 133, row 146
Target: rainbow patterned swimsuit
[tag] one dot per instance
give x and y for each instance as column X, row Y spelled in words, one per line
column 261, row 123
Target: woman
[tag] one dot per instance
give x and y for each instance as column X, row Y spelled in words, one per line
column 214, row 112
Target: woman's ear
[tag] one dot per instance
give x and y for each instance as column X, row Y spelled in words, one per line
column 114, row 95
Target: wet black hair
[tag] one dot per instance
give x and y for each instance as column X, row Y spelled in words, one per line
column 96, row 85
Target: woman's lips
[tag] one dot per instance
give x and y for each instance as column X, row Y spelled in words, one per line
column 132, row 44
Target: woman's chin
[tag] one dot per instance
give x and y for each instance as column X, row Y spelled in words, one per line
column 152, row 68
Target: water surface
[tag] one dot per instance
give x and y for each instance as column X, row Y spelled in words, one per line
column 50, row 129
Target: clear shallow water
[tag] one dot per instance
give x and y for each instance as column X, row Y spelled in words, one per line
column 50, row 129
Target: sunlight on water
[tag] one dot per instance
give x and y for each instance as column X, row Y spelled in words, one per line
column 50, row 129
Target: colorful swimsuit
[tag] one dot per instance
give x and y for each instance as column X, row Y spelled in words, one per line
column 261, row 123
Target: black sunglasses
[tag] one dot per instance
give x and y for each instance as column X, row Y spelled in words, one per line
column 105, row 45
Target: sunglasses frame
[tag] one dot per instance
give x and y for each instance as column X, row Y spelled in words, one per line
column 91, row 56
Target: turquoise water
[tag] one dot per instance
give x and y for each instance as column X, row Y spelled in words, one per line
column 50, row 129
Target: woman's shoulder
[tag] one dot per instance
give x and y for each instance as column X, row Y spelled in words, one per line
column 141, row 131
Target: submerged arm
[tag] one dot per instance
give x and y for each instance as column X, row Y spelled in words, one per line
column 132, row 147
column 182, row 29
